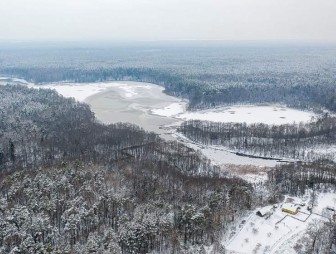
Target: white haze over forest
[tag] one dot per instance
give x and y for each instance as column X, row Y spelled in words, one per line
column 167, row 20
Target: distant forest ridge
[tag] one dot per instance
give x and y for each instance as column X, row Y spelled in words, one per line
column 302, row 77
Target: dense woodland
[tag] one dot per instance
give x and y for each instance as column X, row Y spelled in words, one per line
column 208, row 75
column 71, row 185
column 302, row 141
column 297, row 178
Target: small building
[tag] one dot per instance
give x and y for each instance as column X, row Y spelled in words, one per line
column 264, row 211
column 290, row 208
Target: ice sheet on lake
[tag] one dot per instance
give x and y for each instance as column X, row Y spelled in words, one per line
column 137, row 97
column 169, row 111
column 248, row 114
column 82, row 91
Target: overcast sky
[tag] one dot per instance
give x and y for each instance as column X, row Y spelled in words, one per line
column 168, row 20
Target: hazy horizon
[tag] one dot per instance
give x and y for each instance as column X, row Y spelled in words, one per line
column 163, row 20
column 17, row 44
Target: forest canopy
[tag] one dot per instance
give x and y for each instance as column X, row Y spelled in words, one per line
column 71, row 184
column 302, row 77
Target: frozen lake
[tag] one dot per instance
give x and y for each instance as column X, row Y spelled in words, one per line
column 146, row 105
column 131, row 102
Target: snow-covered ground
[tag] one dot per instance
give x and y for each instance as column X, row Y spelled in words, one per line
column 9, row 80
column 325, row 200
column 82, row 91
column 240, row 114
column 221, row 156
column 249, row 114
column 170, row 111
column 136, row 97
column 79, row 92
column 279, row 232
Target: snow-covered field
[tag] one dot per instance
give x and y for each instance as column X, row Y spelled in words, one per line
column 82, row 91
column 240, row 114
column 172, row 110
column 279, row 232
column 79, row 92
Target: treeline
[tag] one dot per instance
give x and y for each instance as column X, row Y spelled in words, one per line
column 135, row 207
column 294, row 141
column 70, row 184
column 296, row 178
column 257, row 88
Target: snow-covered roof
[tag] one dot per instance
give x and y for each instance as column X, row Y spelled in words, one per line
column 290, row 207
column 264, row 210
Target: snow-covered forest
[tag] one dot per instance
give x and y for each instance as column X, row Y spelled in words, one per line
column 303, row 141
column 302, row 77
column 70, row 184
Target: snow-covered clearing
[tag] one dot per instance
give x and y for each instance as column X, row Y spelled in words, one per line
column 325, row 200
column 241, row 113
column 82, row 91
column 170, row 111
column 279, row 232
column 250, row 114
